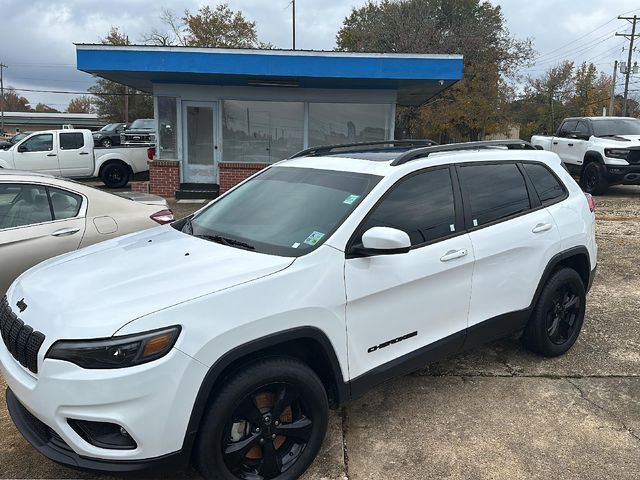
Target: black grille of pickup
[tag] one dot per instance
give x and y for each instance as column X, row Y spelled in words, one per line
column 634, row 156
column 20, row 339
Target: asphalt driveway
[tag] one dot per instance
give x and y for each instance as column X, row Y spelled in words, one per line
column 497, row 412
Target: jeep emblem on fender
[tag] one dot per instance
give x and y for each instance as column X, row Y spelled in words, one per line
column 21, row 305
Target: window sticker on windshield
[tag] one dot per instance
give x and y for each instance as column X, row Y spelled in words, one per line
column 350, row 199
column 295, row 245
column 314, row 238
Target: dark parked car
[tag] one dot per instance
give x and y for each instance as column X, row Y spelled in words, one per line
column 109, row 135
column 141, row 131
column 7, row 144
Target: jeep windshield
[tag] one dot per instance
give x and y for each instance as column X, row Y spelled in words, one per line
column 286, row 211
column 612, row 127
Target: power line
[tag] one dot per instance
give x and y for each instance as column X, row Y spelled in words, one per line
column 578, row 51
column 585, row 35
column 67, row 92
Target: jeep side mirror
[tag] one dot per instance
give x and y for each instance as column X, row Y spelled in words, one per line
column 22, row 149
column 384, row 241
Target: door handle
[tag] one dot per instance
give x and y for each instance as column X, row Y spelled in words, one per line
column 570, row 144
column 555, row 143
column 51, row 154
column 542, row 227
column 453, row 254
column 84, row 153
column 65, row 232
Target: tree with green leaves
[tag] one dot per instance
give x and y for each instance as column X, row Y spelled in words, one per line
column 44, row 108
column 561, row 91
column 114, row 102
column 545, row 100
column 82, row 104
column 217, row 27
column 475, row 106
column 13, row 102
column 592, row 91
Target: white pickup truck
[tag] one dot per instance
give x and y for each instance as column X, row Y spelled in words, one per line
column 71, row 153
column 603, row 151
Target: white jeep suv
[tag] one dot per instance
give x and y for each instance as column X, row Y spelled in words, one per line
column 226, row 336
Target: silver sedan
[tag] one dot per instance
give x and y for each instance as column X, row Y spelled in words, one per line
column 43, row 216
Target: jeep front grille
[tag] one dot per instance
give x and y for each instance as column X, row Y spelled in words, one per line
column 21, row 340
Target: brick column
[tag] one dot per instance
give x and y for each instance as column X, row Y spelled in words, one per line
column 232, row 173
column 164, row 177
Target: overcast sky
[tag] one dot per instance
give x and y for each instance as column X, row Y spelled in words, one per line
column 37, row 36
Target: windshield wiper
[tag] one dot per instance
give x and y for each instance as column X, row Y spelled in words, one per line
column 229, row 242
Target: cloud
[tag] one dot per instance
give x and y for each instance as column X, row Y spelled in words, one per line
column 38, row 36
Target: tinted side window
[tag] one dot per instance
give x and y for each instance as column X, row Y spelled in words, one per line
column 65, row 204
column 568, row 126
column 494, row 191
column 582, row 128
column 546, row 184
column 71, row 141
column 22, row 205
column 39, row 143
column 422, row 206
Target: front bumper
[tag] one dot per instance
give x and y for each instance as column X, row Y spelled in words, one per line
column 47, row 442
column 153, row 402
column 626, row 174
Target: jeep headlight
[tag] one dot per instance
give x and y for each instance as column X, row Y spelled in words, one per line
column 116, row 352
column 616, row 153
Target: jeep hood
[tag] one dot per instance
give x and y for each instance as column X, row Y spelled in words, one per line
column 93, row 292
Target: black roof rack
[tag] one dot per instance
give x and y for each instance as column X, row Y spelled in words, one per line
column 353, row 147
column 426, row 151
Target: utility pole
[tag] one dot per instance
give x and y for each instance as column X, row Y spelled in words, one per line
column 613, row 89
column 126, row 98
column 293, row 5
column 2, row 67
column 631, row 38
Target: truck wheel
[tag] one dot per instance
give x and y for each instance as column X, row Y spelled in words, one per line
column 593, row 179
column 267, row 422
column 115, row 175
column 106, row 142
column 557, row 318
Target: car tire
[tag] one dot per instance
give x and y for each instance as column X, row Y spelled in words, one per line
column 106, row 143
column 243, row 430
column 115, row 175
column 557, row 318
column 593, row 179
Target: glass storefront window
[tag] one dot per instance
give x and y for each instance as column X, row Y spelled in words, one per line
column 261, row 131
column 334, row 123
column 167, row 123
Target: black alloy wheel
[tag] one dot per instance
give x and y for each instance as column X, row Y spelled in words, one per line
column 267, row 422
column 558, row 315
column 115, row 175
column 593, row 179
column 106, row 142
column 269, row 431
column 563, row 314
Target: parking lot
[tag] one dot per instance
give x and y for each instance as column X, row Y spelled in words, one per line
column 496, row 412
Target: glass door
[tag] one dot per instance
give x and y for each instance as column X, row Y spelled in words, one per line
column 200, row 142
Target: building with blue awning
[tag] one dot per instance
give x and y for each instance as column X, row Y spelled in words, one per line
column 223, row 113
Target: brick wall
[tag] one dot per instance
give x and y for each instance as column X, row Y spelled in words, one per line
column 164, row 177
column 233, row 173
column 140, row 187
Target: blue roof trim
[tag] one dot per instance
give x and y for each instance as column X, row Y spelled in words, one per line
column 415, row 78
column 266, row 65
